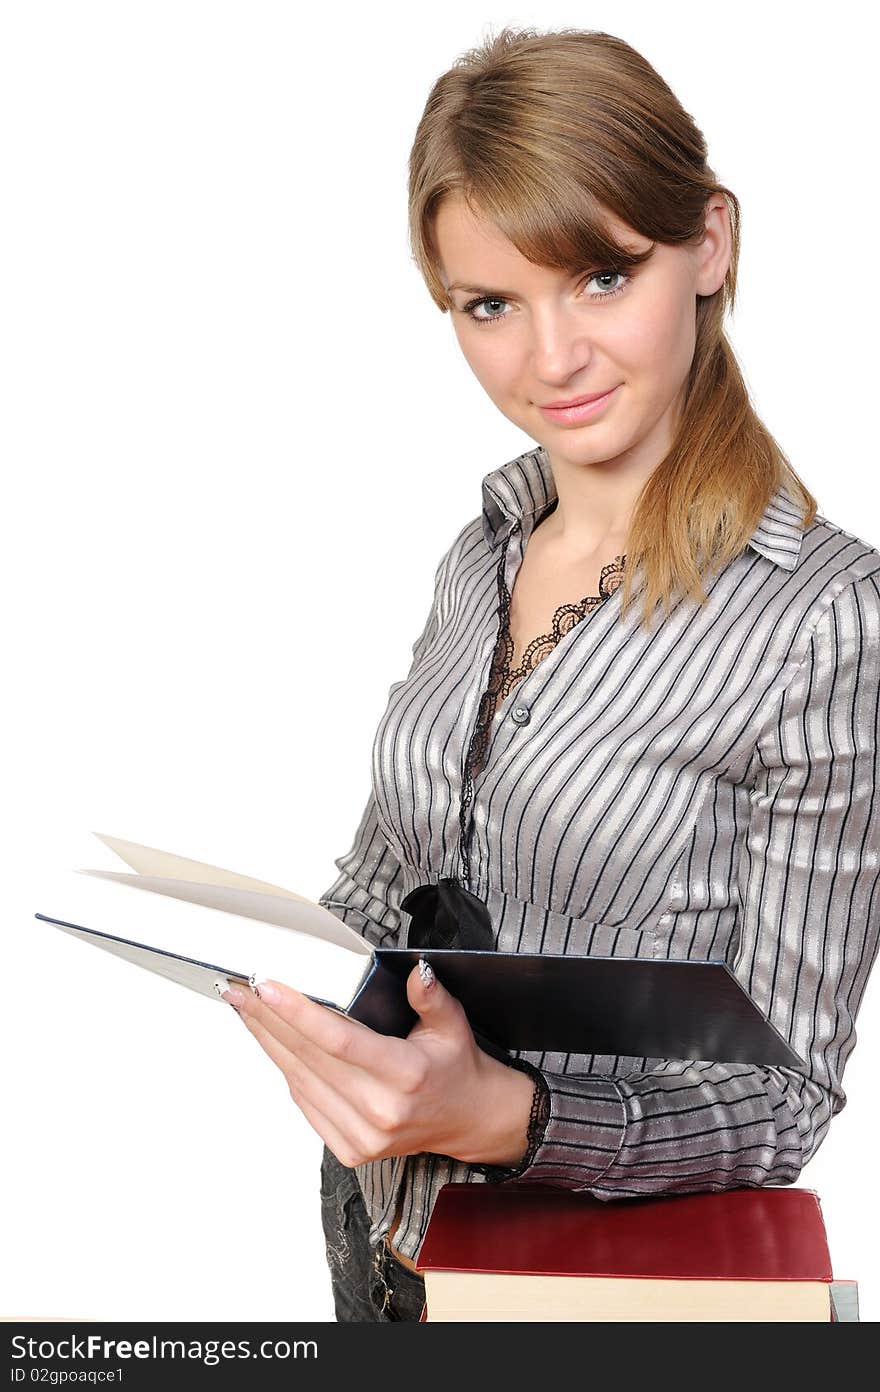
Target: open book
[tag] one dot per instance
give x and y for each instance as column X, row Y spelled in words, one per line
column 527, row 1001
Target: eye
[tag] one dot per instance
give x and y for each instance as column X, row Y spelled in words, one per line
column 605, row 275
column 477, row 303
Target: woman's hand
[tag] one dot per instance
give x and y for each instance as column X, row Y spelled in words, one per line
column 370, row 1095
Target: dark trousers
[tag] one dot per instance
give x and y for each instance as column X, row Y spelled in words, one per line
column 368, row 1284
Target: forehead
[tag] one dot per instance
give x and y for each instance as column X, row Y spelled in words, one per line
column 469, row 245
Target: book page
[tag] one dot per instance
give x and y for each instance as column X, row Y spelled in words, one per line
column 148, row 860
column 300, row 915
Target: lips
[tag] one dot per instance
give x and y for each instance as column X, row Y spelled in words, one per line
column 586, row 409
column 576, row 400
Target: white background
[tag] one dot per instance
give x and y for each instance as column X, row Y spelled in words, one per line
column 237, row 438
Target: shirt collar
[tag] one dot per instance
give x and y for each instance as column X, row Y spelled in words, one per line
column 525, row 486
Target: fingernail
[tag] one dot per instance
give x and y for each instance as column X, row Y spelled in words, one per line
column 427, row 974
column 266, row 992
column 233, row 994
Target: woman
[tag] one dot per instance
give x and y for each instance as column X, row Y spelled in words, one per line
column 560, row 771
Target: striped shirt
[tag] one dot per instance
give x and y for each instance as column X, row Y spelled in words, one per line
column 708, row 790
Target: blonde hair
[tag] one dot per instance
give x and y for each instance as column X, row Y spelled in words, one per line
column 539, row 132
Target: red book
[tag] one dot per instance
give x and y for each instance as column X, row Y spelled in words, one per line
column 523, row 1251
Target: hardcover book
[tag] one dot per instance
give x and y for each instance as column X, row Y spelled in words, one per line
column 525, row 1001
column 526, row 1252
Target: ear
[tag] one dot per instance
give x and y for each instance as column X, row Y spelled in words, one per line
column 713, row 253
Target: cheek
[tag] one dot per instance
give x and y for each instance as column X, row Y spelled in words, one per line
column 494, row 363
column 658, row 342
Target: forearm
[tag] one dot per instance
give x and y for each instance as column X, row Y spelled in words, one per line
column 688, row 1126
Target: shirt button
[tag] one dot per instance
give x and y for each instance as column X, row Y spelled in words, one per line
column 521, row 714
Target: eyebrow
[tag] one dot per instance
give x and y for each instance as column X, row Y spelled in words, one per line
column 481, row 290
column 623, row 263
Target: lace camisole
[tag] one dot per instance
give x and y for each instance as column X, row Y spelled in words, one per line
column 503, row 677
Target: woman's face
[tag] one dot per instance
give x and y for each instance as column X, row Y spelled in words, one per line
column 533, row 335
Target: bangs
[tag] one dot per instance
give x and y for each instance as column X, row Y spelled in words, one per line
column 556, row 224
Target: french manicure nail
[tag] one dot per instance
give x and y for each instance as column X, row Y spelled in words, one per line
column 267, row 992
column 233, row 994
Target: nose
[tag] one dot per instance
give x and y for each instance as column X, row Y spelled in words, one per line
column 561, row 346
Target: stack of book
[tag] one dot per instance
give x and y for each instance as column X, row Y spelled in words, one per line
column 528, row 1253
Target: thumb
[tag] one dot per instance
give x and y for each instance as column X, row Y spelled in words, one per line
column 425, row 993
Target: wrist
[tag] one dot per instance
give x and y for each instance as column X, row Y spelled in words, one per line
column 506, row 1096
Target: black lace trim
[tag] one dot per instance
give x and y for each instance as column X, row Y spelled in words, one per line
column 564, row 620
column 538, row 1118
column 502, row 680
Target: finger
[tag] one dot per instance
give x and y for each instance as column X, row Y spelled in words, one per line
column 320, row 1122
column 331, row 1032
column 346, row 1078
column 329, row 1105
column 338, row 1074
column 345, row 1053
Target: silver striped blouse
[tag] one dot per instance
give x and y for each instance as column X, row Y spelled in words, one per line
column 706, row 790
